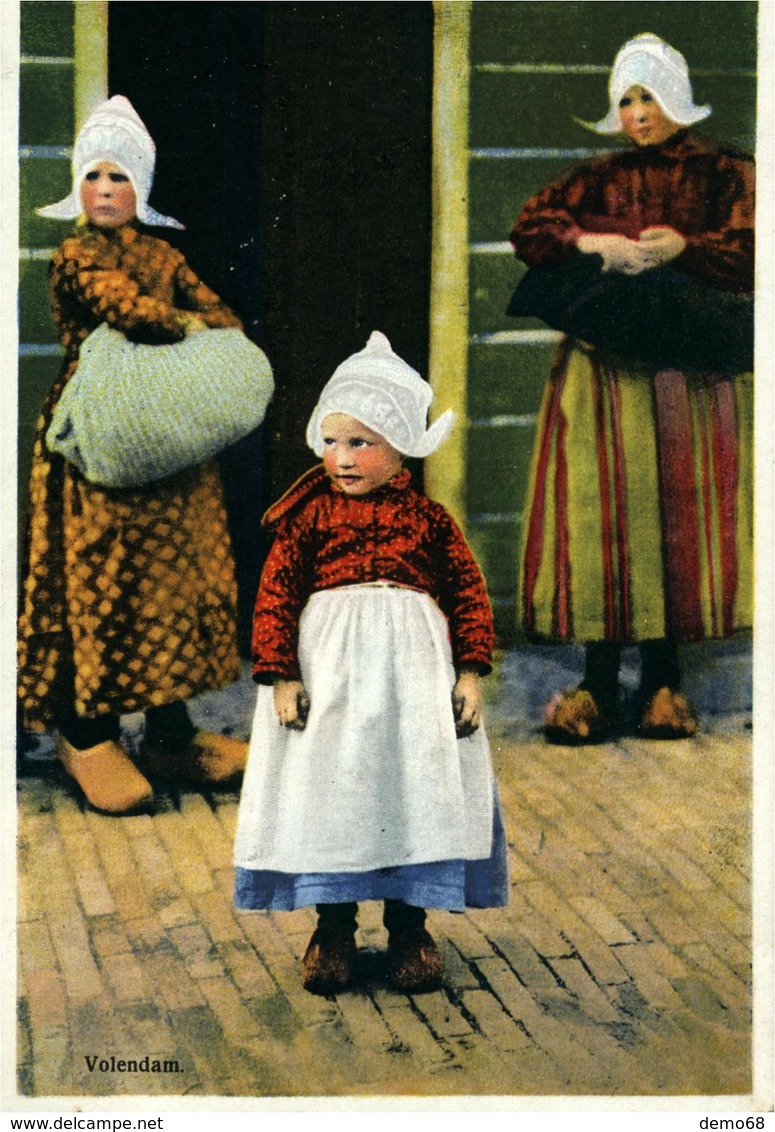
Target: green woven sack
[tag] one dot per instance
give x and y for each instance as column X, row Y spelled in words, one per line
column 132, row 413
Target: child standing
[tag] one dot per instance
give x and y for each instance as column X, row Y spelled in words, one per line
column 372, row 628
column 128, row 596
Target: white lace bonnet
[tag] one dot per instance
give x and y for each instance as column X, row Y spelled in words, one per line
column 650, row 62
column 380, row 390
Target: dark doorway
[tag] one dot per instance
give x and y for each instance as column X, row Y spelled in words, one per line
column 294, row 141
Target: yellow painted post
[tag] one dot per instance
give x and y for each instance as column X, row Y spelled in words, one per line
column 91, row 56
column 445, row 470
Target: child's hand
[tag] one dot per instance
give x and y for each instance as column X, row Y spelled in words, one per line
column 291, row 704
column 467, row 703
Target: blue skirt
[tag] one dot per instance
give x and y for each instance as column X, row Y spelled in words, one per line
column 451, row 885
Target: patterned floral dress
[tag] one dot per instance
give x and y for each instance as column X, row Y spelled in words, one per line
column 128, row 597
column 638, row 523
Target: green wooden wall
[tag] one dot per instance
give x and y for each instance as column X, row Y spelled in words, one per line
column 46, row 130
column 534, row 65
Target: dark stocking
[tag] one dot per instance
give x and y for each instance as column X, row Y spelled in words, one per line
column 659, row 667
column 398, row 916
column 84, row 733
column 336, row 920
column 168, row 729
column 601, row 673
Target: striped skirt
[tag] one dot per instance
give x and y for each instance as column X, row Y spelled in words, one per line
column 639, row 516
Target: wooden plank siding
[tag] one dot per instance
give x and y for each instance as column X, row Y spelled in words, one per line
column 62, row 76
column 509, row 77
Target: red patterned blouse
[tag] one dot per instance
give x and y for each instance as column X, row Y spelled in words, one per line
column 325, row 538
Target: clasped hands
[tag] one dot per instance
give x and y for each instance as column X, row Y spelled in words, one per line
column 291, row 704
column 654, row 247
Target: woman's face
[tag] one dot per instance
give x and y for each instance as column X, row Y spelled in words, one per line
column 643, row 119
column 107, row 196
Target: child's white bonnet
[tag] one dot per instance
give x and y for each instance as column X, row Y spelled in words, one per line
column 380, row 390
column 113, row 132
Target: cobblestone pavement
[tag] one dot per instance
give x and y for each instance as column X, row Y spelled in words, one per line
column 622, row 965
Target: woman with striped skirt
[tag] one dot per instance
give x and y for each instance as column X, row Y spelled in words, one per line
column 638, row 527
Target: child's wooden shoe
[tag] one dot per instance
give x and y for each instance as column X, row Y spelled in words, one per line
column 107, row 776
column 668, row 716
column 328, row 963
column 413, row 961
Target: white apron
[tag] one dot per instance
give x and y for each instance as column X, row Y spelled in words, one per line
column 378, row 777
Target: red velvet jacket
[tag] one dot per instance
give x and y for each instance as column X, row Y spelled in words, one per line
column 325, row 538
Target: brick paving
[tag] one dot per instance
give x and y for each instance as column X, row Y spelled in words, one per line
column 622, row 965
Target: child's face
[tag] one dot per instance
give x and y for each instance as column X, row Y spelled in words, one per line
column 107, row 196
column 643, row 119
column 357, row 459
